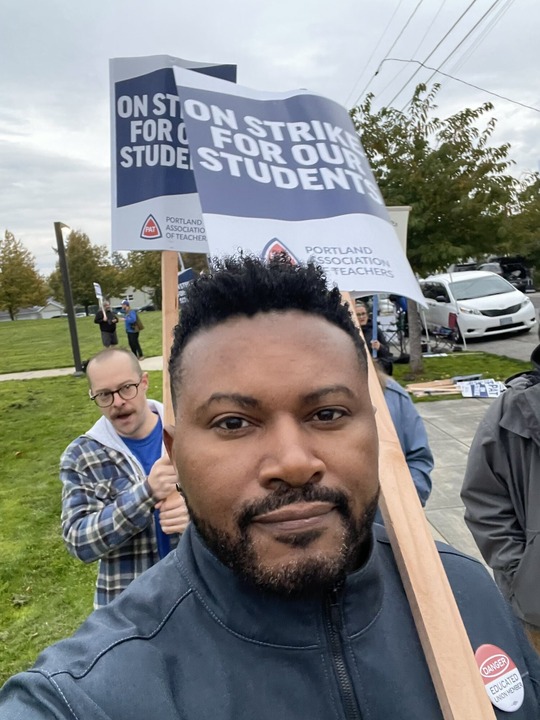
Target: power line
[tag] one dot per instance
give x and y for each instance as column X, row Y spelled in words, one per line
column 373, row 52
column 404, row 28
column 434, row 49
column 416, row 49
column 488, row 11
column 481, row 37
column 464, row 82
column 392, row 46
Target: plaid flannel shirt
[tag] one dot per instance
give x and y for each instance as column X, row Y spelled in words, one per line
column 107, row 510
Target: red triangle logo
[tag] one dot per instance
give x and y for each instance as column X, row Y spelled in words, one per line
column 150, row 229
column 276, row 247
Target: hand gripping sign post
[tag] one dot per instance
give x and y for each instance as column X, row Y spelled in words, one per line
column 155, row 205
column 287, row 173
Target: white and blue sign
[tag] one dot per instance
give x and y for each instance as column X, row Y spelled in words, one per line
column 287, row 172
column 184, row 279
column 154, row 197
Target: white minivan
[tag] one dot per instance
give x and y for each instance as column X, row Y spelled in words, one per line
column 483, row 303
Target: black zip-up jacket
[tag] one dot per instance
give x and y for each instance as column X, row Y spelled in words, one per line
column 189, row 640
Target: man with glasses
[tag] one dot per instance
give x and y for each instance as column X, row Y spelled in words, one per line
column 119, row 499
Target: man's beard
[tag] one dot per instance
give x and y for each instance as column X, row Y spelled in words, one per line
column 311, row 576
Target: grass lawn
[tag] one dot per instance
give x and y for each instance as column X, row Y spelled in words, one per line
column 42, row 344
column 463, row 363
column 44, row 592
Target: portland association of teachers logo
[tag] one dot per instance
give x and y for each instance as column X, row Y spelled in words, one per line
column 150, row 229
column 276, row 247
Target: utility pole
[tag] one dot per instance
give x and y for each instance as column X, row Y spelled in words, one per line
column 68, row 298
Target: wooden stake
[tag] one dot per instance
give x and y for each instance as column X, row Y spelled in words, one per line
column 169, row 306
column 442, row 634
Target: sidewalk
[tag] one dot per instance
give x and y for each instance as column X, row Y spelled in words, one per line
column 450, row 425
column 150, row 363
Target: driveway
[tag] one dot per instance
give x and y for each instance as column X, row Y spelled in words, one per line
column 518, row 347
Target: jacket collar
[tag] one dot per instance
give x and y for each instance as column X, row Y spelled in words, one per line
column 266, row 618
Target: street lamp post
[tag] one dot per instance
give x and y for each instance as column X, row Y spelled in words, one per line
column 68, row 298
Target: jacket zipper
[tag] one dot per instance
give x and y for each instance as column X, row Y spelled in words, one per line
column 334, row 627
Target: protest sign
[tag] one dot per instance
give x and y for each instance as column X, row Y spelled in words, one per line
column 287, row 172
column 184, row 278
column 399, row 217
column 487, row 388
column 154, row 199
column 99, row 294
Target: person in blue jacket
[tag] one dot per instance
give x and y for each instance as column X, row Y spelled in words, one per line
column 283, row 599
column 411, row 434
column 132, row 330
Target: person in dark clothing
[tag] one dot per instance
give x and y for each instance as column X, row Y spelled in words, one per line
column 107, row 322
column 132, row 330
column 384, row 356
column 501, row 493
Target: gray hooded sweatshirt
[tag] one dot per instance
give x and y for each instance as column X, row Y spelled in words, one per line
column 501, row 491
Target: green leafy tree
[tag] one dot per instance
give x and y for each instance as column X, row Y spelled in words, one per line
column 456, row 183
column 21, row 285
column 143, row 271
column 119, row 261
column 523, row 224
column 87, row 264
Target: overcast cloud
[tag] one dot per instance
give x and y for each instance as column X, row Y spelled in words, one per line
column 54, row 79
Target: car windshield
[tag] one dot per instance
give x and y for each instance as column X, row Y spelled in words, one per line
column 480, row 287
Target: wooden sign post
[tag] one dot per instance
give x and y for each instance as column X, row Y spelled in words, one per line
column 448, row 652
column 169, row 319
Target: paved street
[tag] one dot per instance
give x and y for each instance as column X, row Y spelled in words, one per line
column 519, row 347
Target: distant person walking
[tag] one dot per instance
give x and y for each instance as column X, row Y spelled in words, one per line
column 133, row 327
column 107, row 322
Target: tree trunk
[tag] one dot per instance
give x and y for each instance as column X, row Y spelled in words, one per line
column 416, row 365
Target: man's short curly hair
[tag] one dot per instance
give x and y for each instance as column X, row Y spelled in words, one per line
column 245, row 286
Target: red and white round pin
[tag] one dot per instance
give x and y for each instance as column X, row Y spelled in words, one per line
column 501, row 678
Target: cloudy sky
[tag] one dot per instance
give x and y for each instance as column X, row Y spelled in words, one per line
column 54, row 81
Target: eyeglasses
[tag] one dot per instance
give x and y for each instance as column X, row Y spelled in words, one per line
column 105, row 398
